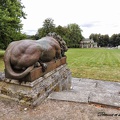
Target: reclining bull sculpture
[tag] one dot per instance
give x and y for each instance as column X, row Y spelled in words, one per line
column 22, row 56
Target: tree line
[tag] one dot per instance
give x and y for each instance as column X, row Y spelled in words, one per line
column 105, row 40
column 11, row 12
column 71, row 33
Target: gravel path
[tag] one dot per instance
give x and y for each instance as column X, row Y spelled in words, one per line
column 56, row 110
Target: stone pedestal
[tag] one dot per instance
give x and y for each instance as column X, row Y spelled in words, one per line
column 35, row 91
column 37, row 72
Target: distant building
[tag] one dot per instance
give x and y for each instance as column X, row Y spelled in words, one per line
column 88, row 43
column 118, row 46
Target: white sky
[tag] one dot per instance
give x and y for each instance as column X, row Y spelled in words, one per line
column 93, row 16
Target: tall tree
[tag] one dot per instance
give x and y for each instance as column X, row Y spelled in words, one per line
column 70, row 33
column 11, row 12
column 115, row 40
column 95, row 37
column 102, row 40
column 48, row 26
column 61, row 30
column 74, row 35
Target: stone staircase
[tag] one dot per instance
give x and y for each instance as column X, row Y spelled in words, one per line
column 91, row 91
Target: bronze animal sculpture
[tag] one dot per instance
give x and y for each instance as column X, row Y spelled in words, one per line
column 22, row 56
column 61, row 42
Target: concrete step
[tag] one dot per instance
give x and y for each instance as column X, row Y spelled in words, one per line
column 87, row 97
column 105, row 98
column 70, row 96
column 91, row 91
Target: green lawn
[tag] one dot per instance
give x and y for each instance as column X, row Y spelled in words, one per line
column 102, row 64
column 1, row 60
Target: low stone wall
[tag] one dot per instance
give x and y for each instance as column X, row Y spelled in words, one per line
column 34, row 92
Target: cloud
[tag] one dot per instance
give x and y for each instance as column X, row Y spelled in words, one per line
column 88, row 25
column 93, row 16
column 29, row 32
column 91, row 24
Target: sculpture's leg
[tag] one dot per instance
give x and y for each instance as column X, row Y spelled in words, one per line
column 62, row 53
column 55, row 59
column 37, row 64
column 44, row 66
column 58, row 55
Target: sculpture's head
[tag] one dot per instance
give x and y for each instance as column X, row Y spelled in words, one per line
column 65, row 48
column 62, row 43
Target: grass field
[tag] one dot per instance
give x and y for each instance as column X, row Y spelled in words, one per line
column 1, row 60
column 102, row 64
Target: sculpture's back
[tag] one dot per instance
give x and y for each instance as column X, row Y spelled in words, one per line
column 23, row 56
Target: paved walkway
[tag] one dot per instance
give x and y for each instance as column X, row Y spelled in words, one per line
column 91, row 91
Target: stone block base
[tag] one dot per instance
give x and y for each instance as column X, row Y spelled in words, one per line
column 33, row 93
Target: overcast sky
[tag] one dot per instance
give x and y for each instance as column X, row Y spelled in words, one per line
column 93, row 16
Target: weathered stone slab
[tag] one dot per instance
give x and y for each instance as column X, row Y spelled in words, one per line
column 91, row 91
column 85, row 80
column 105, row 98
column 78, row 85
column 84, row 85
column 95, row 85
column 109, row 87
column 81, row 97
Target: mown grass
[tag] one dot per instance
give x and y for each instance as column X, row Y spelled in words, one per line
column 97, row 63
column 1, row 60
column 102, row 64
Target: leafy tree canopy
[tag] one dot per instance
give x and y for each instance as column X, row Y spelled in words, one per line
column 48, row 26
column 70, row 33
column 11, row 12
column 74, row 34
